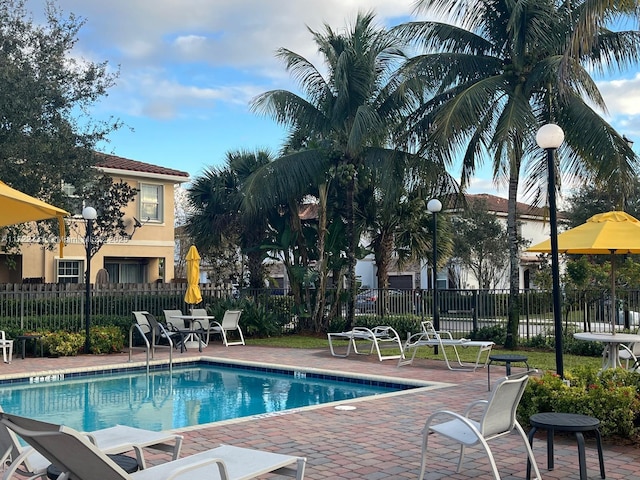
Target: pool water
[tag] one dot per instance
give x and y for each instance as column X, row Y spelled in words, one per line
column 162, row 400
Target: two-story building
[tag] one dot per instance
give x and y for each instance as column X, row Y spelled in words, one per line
column 533, row 227
column 145, row 257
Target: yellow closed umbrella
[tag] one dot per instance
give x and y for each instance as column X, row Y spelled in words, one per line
column 193, row 295
column 613, row 233
column 17, row 207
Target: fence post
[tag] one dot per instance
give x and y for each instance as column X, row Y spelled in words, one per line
column 474, row 311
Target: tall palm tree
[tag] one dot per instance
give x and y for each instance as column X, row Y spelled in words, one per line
column 500, row 73
column 350, row 116
column 218, row 221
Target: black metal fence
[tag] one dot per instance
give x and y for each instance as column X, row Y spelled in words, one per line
column 59, row 306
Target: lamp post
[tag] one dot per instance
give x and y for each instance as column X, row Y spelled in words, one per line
column 434, row 206
column 89, row 214
column 550, row 137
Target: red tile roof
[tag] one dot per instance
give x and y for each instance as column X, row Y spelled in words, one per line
column 501, row 205
column 120, row 163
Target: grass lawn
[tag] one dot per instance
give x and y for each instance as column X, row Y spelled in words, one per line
column 540, row 359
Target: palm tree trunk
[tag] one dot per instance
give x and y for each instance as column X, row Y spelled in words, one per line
column 514, row 260
column 318, row 311
column 383, row 252
column 351, row 254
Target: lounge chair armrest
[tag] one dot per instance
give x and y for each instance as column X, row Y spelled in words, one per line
column 452, row 416
column 179, row 472
column 476, row 404
column 444, row 334
column 17, row 462
column 416, row 337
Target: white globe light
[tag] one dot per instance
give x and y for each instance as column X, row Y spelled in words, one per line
column 434, row 205
column 549, row 136
column 89, row 213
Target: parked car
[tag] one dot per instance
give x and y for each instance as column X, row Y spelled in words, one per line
column 366, row 300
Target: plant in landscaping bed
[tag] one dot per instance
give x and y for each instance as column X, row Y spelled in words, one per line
column 106, row 339
column 612, row 396
column 63, row 343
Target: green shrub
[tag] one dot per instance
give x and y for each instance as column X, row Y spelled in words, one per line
column 106, row 339
column 612, row 396
column 63, row 343
column 495, row 333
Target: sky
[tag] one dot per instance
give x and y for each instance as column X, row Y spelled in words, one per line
column 188, row 70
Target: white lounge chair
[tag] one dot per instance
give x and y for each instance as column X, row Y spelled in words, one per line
column 376, row 337
column 79, row 459
column 498, row 419
column 429, row 337
column 118, row 439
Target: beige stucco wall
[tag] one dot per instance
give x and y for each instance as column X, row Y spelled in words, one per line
column 153, row 241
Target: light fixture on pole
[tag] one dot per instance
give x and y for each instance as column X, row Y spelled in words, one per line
column 434, row 206
column 550, row 137
column 89, row 214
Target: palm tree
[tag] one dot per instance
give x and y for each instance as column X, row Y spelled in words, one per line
column 497, row 76
column 397, row 222
column 349, row 116
column 218, row 222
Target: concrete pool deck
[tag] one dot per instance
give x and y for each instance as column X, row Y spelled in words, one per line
column 380, row 438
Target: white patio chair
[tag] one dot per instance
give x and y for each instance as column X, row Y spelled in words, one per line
column 7, row 347
column 204, row 324
column 230, row 322
column 171, row 321
column 497, row 420
column 631, row 355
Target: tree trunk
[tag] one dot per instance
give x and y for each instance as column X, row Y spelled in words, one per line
column 383, row 253
column 318, row 319
column 511, row 341
column 352, row 242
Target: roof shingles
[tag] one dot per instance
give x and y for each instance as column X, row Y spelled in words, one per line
column 120, row 163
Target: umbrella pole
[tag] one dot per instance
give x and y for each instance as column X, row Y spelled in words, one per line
column 614, row 308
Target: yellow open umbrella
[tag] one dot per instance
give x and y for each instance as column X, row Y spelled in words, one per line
column 614, row 233
column 17, row 207
column 193, row 295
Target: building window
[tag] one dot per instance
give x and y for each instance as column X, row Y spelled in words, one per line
column 126, row 272
column 69, row 271
column 75, row 202
column 151, row 202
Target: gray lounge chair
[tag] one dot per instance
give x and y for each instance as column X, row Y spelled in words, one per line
column 79, row 459
column 118, row 439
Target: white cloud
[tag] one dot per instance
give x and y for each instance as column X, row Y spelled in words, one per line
column 622, row 96
column 190, row 51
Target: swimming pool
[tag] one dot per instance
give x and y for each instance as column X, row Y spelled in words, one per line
column 194, row 394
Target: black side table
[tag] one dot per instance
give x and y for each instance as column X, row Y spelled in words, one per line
column 566, row 422
column 33, row 337
column 508, row 360
column 126, row 463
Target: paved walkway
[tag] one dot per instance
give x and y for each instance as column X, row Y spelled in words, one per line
column 381, row 438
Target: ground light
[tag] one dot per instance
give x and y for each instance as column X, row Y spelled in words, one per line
column 550, row 137
column 89, row 214
column 434, row 206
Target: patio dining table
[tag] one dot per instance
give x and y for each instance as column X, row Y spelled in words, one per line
column 612, row 343
column 193, row 339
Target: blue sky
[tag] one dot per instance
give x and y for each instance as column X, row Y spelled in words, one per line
column 189, row 68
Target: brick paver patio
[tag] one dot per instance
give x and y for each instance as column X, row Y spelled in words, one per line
column 381, row 438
